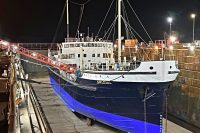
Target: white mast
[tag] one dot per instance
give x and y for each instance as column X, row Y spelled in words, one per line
column 67, row 11
column 119, row 31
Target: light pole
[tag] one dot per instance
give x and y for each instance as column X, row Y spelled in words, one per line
column 193, row 18
column 170, row 19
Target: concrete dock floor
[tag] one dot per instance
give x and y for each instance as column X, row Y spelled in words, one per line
column 62, row 120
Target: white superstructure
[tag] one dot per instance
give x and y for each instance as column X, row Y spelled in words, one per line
column 88, row 55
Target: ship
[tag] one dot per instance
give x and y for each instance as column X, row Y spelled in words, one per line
column 125, row 95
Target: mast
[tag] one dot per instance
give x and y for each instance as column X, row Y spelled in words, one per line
column 119, row 31
column 67, row 11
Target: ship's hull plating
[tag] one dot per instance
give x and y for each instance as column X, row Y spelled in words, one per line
column 120, row 105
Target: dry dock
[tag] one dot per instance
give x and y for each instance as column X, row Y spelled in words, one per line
column 62, row 120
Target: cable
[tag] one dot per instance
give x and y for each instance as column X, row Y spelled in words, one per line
column 110, row 29
column 76, row 3
column 111, row 26
column 80, row 18
column 105, row 18
column 133, row 30
column 59, row 24
column 139, row 20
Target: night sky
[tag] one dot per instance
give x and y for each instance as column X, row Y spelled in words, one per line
column 36, row 20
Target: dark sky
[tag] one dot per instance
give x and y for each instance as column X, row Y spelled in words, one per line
column 36, row 20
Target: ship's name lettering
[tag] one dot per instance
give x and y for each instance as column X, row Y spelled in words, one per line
column 103, row 82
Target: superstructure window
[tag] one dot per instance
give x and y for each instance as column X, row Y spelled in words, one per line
column 98, row 55
column 77, row 45
column 91, row 44
column 78, row 55
column 71, row 56
column 71, row 45
column 99, row 45
column 93, row 55
column 66, row 45
column 68, row 56
column 85, row 55
column 64, row 56
column 85, row 45
column 106, row 55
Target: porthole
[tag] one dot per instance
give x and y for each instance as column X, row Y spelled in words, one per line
column 151, row 68
column 170, row 67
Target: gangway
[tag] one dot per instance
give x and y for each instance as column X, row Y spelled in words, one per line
column 36, row 56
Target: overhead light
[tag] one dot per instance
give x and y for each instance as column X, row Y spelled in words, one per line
column 171, row 47
column 172, row 39
column 15, row 47
column 34, row 54
column 193, row 15
column 192, row 48
column 170, row 19
column 5, row 43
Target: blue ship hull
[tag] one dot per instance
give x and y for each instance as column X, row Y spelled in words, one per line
column 130, row 107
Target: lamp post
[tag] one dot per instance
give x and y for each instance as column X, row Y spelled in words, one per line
column 193, row 18
column 170, row 19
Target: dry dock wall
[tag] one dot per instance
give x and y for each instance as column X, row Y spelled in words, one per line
column 184, row 95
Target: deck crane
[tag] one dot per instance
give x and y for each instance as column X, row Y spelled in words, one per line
column 37, row 56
